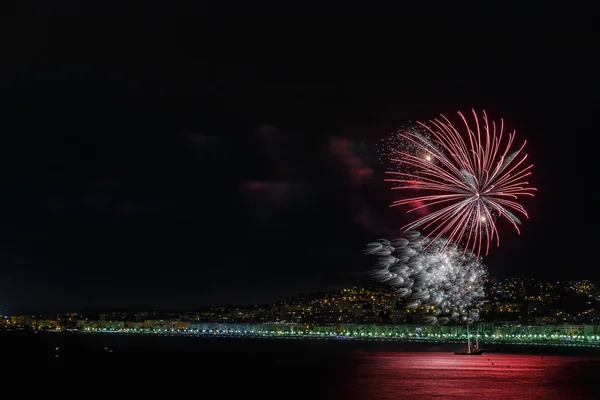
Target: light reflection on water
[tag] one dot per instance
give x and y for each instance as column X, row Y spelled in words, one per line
column 493, row 376
column 315, row 369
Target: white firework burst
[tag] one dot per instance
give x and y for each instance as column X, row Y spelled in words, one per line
column 437, row 277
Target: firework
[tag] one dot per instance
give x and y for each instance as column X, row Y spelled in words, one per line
column 447, row 284
column 461, row 179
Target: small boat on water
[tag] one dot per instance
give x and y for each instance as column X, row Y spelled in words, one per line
column 470, row 352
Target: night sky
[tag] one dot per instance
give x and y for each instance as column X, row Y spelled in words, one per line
column 232, row 159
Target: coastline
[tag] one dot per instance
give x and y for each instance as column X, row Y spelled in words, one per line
column 227, row 341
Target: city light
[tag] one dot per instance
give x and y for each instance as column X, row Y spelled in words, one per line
column 516, row 311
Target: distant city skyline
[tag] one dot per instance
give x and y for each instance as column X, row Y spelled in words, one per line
column 527, row 299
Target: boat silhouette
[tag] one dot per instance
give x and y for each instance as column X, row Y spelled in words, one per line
column 470, row 352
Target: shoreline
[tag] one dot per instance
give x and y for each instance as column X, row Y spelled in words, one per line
column 359, row 343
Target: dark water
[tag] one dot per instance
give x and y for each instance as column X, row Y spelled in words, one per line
column 306, row 369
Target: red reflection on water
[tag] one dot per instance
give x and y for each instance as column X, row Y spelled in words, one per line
column 493, row 375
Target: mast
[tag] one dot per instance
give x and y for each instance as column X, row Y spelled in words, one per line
column 468, row 340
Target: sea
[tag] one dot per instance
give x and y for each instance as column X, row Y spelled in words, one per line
column 234, row 368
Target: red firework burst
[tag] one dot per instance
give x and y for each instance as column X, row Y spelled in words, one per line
column 471, row 176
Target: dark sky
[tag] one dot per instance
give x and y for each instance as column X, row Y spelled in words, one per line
column 231, row 158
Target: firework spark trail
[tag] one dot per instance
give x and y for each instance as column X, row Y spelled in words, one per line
column 473, row 181
column 448, row 283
